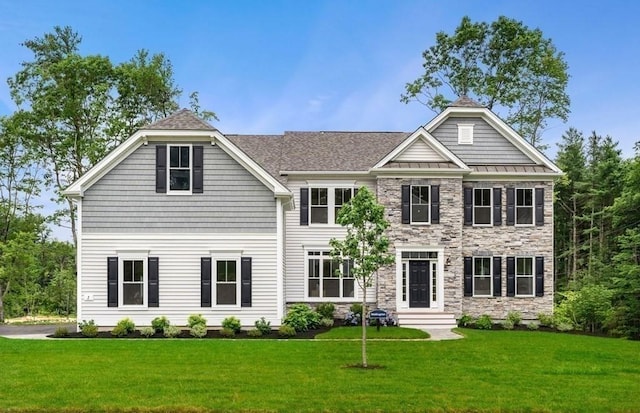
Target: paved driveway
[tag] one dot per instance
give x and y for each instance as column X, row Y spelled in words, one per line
column 24, row 330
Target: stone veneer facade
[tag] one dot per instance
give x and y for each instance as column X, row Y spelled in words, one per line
column 461, row 241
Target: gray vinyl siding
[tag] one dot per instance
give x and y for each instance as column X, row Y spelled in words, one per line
column 124, row 200
column 489, row 146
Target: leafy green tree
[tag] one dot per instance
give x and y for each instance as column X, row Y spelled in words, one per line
column 505, row 65
column 73, row 109
column 365, row 244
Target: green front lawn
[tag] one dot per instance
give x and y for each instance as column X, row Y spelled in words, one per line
column 489, row 370
column 385, row 333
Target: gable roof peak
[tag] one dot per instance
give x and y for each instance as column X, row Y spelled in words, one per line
column 466, row 102
column 183, row 119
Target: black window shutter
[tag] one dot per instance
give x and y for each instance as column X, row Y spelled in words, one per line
column 539, row 206
column 304, row 206
column 112, row 281
column 497, row 207
column 497, row 276
column 539, row 276
column 435, row 204
column 245, row 277
column 161, row 168
column 205, row 282
column 511, row 276
column 511, row 206
column 468, row 276
column 198, row 179
column 154, row 292
column 406, row 204
column 468, row 205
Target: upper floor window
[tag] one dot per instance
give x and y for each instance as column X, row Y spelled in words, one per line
column 180, row 168
column 482, row 206
column 524, row 206
column 319, row 205
column 420, row 204
column 323, row 204
column 326, row 278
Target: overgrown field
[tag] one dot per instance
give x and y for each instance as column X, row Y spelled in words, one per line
column 489, row 370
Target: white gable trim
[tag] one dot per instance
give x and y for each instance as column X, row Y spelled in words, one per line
column 421, row 133
column 500, row 126
column 142, row 137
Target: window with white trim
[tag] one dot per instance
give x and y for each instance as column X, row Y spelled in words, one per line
column 226, row 282
column 482, row 206
column 524, row 206
column 420, row 205
column 524, row 276
column 482, row 278
column 342, row 196
column 179, row 168
column 328, row 277
column 134, row 274
column 325, row 203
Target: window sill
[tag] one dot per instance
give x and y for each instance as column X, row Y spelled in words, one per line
column 179, row 193
column 332, row 299
column 420, row 223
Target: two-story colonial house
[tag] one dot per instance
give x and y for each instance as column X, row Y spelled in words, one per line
column 182, row 219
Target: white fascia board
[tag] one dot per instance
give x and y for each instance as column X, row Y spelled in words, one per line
column 421, row 133
column 501, row 126
column 252, row 166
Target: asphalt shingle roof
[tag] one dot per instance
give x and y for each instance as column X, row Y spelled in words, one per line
column 266, row 150
column 183, row 119
column 465, row 101
column 336, row 151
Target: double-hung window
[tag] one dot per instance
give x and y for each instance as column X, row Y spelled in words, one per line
column 482, row 206
column 179, row 168
column 524, row 206
column 226, row 282
column 341, row 197
column 482, row 277
column 524, row 276
column 420, row 204
column 325, row 203
column 328, row 277
column 133, row 279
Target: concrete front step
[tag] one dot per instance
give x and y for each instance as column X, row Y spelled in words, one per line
column 424, row 320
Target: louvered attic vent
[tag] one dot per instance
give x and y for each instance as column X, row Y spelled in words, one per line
column 465, row 134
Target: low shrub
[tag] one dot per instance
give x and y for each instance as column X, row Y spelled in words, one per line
column 227, row 332
column 302, row 318
column 147, row 331
column 127, row 324
column 171, row 331
column 124, row 327
column 119, row 331
column 88, row 328
column 159, row 323
column 326, row 310
column 61, row 332
column 508, row 324
column 195, row 319
column 484, row 322
column 198, row 331
column 514, row 317
column 546, row 320
column 232, row 323
column 356, row 308
column 465, row 320
column 326, row 322
column 286, row 331
column 533, row 325
column 263, row 326
column 254, row 332
column 564, row 326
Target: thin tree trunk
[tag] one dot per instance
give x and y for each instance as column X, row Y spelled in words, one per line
column 574, row 268
column 1, row 306
column 364, row 325
column 72, row 218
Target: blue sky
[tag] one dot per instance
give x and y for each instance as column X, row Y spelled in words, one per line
column 271, row 66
